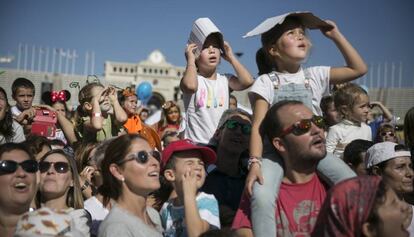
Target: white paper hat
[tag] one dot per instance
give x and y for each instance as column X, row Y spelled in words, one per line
column 202, row 28
column 307, row 19
column 383, row 151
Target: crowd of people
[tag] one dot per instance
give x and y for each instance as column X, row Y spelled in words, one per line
column 310, row 160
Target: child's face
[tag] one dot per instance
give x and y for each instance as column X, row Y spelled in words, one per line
column 173, row 115
column 104, row 102
column 332, row 115
column 293, row 45
column 210, row 54
column 189, row 161
column 60, row 108
column 24, row 98
column 359, row 111
column 388, row 135
column 130, row 104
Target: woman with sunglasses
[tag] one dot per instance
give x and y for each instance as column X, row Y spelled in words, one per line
column 18, row 170
column 59, row 188
column 130, row 171
column 386, row 133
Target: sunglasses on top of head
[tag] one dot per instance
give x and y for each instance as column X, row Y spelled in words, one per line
column 233, row 124
column 60, row 166
column 303, row 126
column 10, row 166
column 142, row 157
column 383, row 134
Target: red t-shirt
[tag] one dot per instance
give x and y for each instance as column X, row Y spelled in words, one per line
column 297, row 208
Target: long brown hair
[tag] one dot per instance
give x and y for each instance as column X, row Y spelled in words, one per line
column 111, row 187
column 74, row 197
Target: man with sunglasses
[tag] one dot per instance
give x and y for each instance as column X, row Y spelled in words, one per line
column 298, row 138
column 18, row 170
column 226, row 180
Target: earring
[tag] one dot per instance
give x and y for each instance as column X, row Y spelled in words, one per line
column 122, row 179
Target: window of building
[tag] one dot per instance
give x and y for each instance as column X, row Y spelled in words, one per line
column 166, row 72
column 178, row 74
column 155, row 71
column 145, row 70
column 115, row 69
column 150, row 70
column 126, row 69
column 161, row 71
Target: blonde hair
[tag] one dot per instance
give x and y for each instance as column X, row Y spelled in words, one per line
column 348, row 96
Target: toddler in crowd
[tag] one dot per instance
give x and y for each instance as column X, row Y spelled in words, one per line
column 284, row 46
column 191, row 212
column 352, row 102
column 94, row 122
column 206, row 92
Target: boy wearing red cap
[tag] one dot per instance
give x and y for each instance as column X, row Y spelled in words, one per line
column 192, row 212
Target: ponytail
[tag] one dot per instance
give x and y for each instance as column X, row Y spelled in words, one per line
column 263, row 63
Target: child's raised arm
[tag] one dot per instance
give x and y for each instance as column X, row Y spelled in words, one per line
column 243, row 79
column 355, row 65
column 260, row 107
column 120, row 114
column 189, row 83
column 96, row 120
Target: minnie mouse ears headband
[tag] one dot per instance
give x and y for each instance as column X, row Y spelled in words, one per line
column 50, row 97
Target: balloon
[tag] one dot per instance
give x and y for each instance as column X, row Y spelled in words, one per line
column 144, row 91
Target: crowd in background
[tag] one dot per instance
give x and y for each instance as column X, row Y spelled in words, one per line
column 310, row 160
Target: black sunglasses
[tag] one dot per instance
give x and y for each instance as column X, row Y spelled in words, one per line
column 60, row 167
column 10, row 166
column 303, row 126
column 142, row 157
column 383, row 134
column 233, row 124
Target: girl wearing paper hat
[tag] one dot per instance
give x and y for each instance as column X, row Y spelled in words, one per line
column 284, row 46
column 206, row 92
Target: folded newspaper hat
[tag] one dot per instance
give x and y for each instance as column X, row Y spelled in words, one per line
column 202, row 28
column 307, row 19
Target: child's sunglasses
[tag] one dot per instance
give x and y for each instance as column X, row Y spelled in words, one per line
column 142, row 157
column 10, row 166
column 383, row 134
column 233, row 124
column 303, row 126
column 60, row 167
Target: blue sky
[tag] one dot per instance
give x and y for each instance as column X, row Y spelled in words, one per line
column 128, row 30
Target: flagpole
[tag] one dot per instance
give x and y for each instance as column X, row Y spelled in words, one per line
column 33, row 58
column 19, row 55
column 39, row 65
column 85, row 69
column 73, row 61
column 26, row 49
column 60, row 60
column 53, row 59
column 93, row 63
column 47, row 60
column 67, row 61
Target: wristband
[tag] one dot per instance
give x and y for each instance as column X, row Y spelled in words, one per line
column 96, row 115
column 252, row 160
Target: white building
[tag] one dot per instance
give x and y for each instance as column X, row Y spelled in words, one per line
column 163, row 76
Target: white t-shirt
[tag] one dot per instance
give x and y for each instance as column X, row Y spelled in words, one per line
column 95, row 208
column 318, row 82
column 173, row 218
column 15, row 111
column 345, row 132
column 204, row 108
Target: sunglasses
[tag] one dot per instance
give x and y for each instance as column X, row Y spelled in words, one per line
column 142, row 157
column 60, row 167
column 10, row 166
column 383, row 134
column 233, row 124
column 303, row 126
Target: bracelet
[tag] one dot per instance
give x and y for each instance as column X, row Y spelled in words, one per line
column 96, row 115
column 85, row 185
column 252, row 160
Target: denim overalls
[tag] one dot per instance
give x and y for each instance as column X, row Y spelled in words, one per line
column 292, row 91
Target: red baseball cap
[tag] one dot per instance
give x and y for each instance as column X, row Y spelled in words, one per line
column 208, row 155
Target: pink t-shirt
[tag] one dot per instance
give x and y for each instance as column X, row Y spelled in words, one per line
column 297, row 208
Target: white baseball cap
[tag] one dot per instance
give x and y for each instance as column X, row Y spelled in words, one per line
column 307, row 19
column 383, row 151
column 202, row 28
